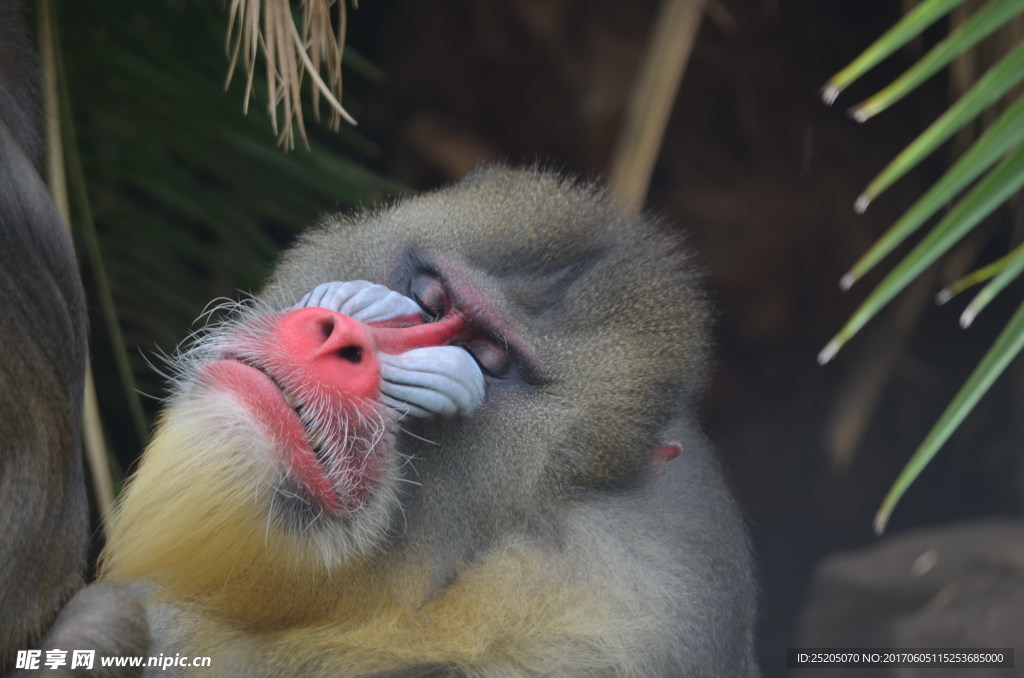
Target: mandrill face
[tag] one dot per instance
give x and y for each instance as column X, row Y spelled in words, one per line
column 324, row 385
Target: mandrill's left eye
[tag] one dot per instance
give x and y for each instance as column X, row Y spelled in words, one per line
column 492, row 355
column 430, row 294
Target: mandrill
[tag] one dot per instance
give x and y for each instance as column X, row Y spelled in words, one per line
column 453, row 437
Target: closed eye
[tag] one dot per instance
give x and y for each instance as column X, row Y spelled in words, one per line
column 429, row 292
column 491, row 354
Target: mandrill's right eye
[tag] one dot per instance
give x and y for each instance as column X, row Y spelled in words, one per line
column 430, row 293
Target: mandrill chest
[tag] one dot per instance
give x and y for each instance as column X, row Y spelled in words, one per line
column 499, row 618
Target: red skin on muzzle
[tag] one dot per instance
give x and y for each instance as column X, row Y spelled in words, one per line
column 317, row 350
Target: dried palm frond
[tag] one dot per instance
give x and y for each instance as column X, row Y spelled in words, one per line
column 269, row 26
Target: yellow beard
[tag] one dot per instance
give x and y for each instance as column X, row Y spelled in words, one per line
column 196, row 522
column 194, row 525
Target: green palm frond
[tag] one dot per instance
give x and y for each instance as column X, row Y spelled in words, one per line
column 994, row 164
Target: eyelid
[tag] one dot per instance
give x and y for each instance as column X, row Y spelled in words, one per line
column 492, row 354
column 430, row 292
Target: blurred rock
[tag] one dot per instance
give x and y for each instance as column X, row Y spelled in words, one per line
column 954, row 586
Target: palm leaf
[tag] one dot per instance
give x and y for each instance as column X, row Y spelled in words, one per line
column 981, row 24
column 1000, row 138
column 995, row 162
column 991, row 192
column 913, row 24
column 1006, row 347
column 1000, row 79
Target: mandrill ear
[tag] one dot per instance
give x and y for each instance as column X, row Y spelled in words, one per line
column 663, row 454
column 365, row 301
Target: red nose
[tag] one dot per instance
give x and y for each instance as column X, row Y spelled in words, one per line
column 330, row 350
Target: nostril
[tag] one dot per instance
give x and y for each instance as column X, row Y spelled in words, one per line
column 327, row 327
column 353, row 354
